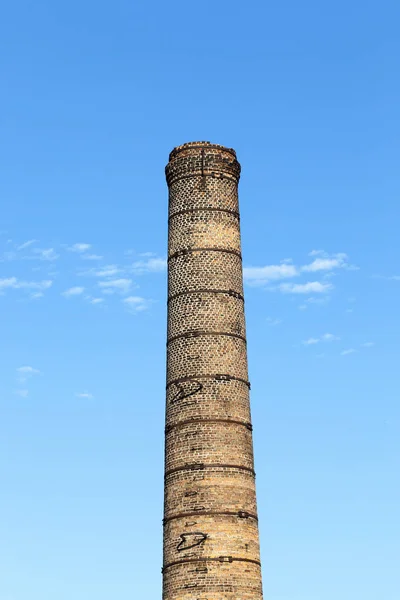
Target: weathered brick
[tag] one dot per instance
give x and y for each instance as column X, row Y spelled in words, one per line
column 211, row 542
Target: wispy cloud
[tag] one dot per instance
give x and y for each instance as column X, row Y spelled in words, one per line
column 26, row 244
column 136, row 304
column 26, row 372
column 323, row 262
column 115, row 285
column 73, row 291
column 106, row 271
column 86, row 395
column 82, row 249
column 22, row 393
column 329, row 337
column 387, row 277
column 273, row 322
column 348, row 351
column 96, row 300
column 91, row 257
column 326, row 337
column 368, row 345
column 79, row 247
column 311, row 287
column 310, row 342
column 150, row 265
column 46, row 254
column 326, row 262
column 17, row 284
column 264, row 275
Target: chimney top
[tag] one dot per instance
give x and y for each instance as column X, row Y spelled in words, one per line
column 200, row 145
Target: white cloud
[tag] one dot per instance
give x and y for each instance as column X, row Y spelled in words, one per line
column 326, row 337
column 39, row 285
column 26, row 244
column 136, row 303
column 310, row 342
column 73, row 291
column 151, row 265
column 348, row 351
column 87, row 395
column 79, row 247
column 10, row 282
column 46, row 254
column 16, row 284
column 311, row 287
column 91, row 257
column 115, row 285
column 329, row 337
column 323, row 262
column 368, row 344
column 262, row 275
column 387, row 277
column 96, row 300
column 28, row 370
column 106, row 271
column 328, row 262
column 22, row 393
column 273, row 322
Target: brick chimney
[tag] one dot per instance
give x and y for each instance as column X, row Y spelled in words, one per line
column 211, row 540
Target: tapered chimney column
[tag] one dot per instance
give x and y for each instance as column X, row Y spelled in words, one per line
column 211, row 541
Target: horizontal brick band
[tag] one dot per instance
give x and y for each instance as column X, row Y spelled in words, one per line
column 199, row 333
column 241, row 514
column 202, row 466
column 222, row 559
column 217, row 377
column 246, row 424
column 186, row 251
column 205, row 209
column 199, row 173
column 207, row 291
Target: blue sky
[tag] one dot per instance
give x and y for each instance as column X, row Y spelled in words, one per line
column 94, row 96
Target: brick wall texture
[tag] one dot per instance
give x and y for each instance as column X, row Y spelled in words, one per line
column 211, row 542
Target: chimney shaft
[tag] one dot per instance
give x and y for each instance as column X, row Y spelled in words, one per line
column 211, row 541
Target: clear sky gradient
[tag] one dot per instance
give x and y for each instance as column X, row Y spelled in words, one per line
column 94, row 95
